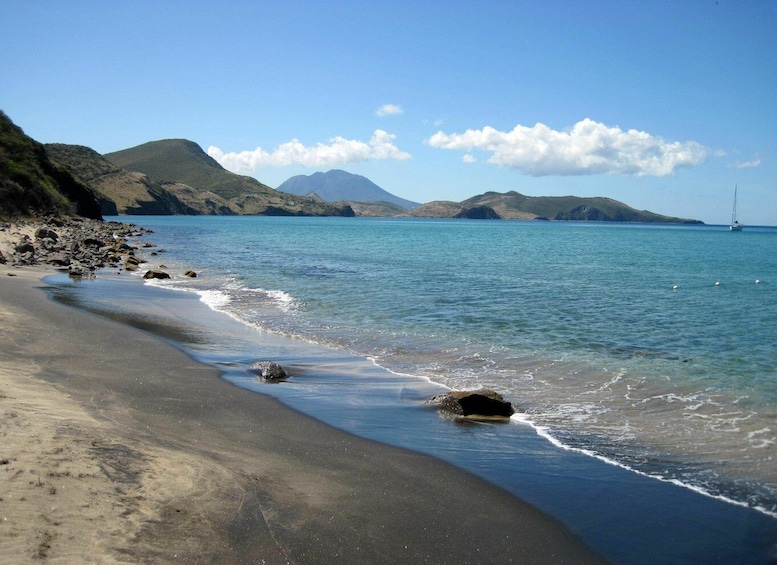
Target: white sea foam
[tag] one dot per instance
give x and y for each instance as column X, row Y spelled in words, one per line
column 282, row 299
column 214, row 299
column 544, row 432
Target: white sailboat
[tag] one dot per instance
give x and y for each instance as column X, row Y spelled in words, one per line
column 735, row 225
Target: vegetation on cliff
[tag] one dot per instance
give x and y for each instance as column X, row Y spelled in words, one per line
column 32, row 184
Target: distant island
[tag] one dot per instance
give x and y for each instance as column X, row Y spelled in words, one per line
column 515, row 206
column 176, row 177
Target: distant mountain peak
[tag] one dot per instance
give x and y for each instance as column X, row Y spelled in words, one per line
column 337, row 185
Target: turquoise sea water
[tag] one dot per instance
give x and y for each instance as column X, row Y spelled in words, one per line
column 650, row 347
column 578, row 324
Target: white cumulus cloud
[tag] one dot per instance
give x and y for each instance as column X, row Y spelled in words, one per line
column 337, row 151
column 588, row 148
column 389, row 110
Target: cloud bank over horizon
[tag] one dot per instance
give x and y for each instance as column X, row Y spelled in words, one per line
column 338, row 151
column 588, row 148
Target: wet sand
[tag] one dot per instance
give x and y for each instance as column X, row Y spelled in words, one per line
column 116, row 447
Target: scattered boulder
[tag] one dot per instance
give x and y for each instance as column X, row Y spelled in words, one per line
column 269, row 371
column 25, row 246
column 481, row 404
column 85, row 244
column 156, row 274
column 92, row 242
column 3, row 260
column 190, row 274
column 78, row 271
column 131, row 263
column 45, row 233
column 60, row 259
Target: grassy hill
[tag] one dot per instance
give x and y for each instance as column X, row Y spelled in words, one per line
column 32, row 184
column 125, row 192
column 179, row 162
column 513, row 205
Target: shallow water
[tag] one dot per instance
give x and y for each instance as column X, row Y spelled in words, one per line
column 627, row 517
column 577, row 324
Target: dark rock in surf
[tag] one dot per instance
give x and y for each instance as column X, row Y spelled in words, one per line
column 190, row 274
column 156, row 274
column 269, row 371
column 473, row 404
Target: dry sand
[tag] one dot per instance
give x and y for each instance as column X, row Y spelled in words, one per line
column 115, row 447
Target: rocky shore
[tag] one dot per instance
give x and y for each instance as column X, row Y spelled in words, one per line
column 77, row 245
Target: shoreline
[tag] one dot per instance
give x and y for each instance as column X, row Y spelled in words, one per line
column 154, row 457
column 624, row 516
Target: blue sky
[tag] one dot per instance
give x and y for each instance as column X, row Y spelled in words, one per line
column 662, row 105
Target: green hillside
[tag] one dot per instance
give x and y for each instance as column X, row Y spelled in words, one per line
column 31, row 183
column 184, row 162
column 124, row 192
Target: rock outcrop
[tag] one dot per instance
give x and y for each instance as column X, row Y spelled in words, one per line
column 77, row 244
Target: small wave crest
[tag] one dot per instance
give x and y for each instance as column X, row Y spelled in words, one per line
column 546, row 433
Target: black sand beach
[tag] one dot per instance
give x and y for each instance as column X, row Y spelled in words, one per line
column 177, row 464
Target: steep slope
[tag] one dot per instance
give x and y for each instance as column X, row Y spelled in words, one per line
column 338, row 186
column 513, row 205
column 125, row 192
column 184, row 162
column 31, row 183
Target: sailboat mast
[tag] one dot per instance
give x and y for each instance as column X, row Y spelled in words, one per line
column 734, row 211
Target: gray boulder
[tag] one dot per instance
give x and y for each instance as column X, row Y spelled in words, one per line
column 473, row 404
column 156, row 274
column 45, row 233
column 269, row 371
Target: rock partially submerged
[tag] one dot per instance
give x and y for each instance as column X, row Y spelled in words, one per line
column 481, row 404
column 269, row 372
column 156, row 274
